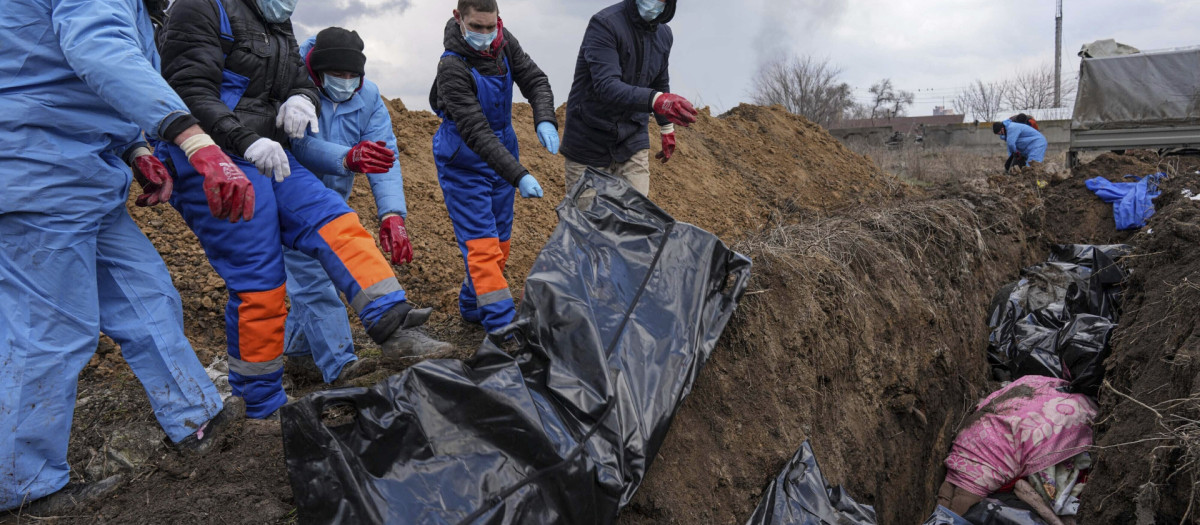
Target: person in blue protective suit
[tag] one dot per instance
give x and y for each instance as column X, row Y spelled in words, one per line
column 622, row 76
column 476, row 152
column 79, row 83
column 1025, row 144
column 237, row 65
column 355, row 137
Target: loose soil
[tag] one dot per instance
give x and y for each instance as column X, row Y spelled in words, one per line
column 864, row 329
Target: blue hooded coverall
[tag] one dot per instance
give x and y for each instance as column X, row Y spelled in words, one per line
column 317, row 322
column 79, row 82
column 480, row 203
column 299, row 213
column 1025, row 140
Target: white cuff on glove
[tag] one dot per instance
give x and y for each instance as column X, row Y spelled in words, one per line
column 196, row 143
column 666, row 129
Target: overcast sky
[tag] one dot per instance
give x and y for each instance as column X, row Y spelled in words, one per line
column 930, row 47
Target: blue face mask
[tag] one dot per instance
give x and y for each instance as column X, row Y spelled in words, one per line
column 340, row 89
column 479, row 41
column 277, row 11
column 651, row 9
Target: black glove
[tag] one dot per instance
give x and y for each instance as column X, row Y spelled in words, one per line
column 1008, row 164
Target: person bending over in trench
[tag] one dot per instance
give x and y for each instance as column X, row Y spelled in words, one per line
column 1025, row 144
column 237, row 66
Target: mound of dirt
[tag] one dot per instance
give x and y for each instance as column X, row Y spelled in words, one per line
column 1148, row 436
column 729, row 175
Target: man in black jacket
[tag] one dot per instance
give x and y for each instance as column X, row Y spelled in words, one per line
column 476, row 152
column 620, row 78
column 236, row 65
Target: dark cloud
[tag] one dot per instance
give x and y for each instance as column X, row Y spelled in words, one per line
column 325, row 13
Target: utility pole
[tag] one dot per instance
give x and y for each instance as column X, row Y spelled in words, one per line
column 1058, row 56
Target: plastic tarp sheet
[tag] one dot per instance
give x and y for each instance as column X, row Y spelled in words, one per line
column 944, row 516
column 1057, row 321
column 1133, row 202
column 802, row 496
column 1145, row 90
column 621, row 310
column 1106, row 48
column 1003, row 509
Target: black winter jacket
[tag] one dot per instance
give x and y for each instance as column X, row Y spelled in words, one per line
column 455, row 93
column 194, row 56
column 622, row 63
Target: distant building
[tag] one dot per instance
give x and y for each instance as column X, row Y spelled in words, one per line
column 901, row 124
column 939, row 111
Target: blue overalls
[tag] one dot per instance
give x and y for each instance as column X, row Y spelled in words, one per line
column 299, row 213
column 480, row 204
column 72, row 261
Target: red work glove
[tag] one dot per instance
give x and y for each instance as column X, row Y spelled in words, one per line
column 668, row 143
column 154, row 179
column 394, row 238
column 370, row 157
column 230, row 194
column 675, row 109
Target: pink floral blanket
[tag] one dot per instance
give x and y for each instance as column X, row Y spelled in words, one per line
column 1020, row 429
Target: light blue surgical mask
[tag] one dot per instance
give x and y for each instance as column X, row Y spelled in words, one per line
column 277, row 11
column 340, row 89
column 651, row 9
column 479, row 41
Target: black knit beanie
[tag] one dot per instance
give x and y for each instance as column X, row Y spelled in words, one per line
column 338, row 50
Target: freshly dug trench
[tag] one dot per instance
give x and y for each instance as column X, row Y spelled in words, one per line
column 867, row 337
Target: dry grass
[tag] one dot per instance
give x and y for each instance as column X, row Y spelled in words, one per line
column 903, row 245
column 932, row 165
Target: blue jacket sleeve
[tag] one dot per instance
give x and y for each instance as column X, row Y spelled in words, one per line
column 321, row 156
column 604, row 62
column 388, row 188
column 101, row 42
column 1012, row 136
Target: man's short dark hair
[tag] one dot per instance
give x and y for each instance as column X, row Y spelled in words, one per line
column 483, row 6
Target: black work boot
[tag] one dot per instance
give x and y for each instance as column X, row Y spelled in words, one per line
column 203, row 440
column 398, row 333
column 414, row 343
column 356, row 369
column 71, row 496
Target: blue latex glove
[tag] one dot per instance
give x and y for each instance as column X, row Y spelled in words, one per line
column 530, row 189
column 548, row 134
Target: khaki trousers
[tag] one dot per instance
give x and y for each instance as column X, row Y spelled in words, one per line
column 636, row 170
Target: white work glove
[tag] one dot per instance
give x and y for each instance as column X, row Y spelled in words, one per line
column 268, row 156
column 297, row 114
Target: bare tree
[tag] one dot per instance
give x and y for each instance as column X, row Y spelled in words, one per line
column 1034, row 89
column 804, row 86
column 983, row 101
column 887, row 101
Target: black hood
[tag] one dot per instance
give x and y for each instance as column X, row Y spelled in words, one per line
column 667, row 15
